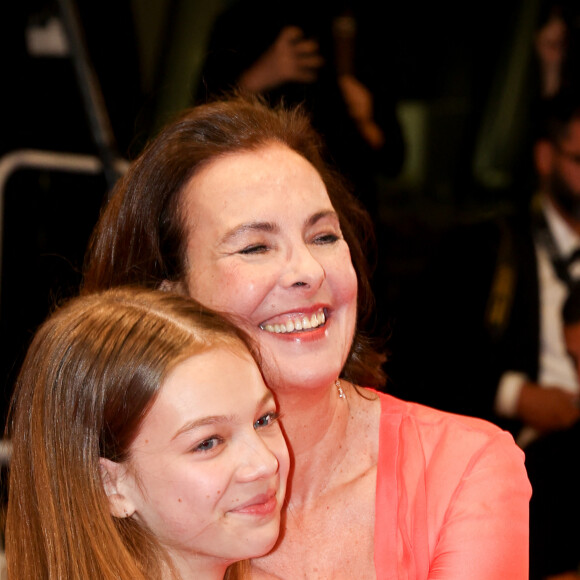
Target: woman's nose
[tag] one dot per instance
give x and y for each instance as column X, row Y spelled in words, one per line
column 302, row 269
column 256, row 460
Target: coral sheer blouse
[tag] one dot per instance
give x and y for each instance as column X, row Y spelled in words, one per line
column 452, row 498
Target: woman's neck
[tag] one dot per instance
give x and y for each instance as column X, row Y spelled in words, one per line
column 315, row 422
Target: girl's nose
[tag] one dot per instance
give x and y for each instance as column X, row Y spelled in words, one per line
column 256, row 460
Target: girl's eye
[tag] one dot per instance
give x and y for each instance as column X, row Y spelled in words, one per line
column 326, row 239
column 207, row 444
column 257, row 249
column 266, row 420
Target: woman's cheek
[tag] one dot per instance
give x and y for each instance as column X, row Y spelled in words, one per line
column 345, row 277
column 217, row 287
column 242, row 292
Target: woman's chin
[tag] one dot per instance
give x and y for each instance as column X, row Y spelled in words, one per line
column 303, row 378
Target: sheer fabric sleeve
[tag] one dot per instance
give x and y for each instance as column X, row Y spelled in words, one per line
column 452, row 498
column 484, row 534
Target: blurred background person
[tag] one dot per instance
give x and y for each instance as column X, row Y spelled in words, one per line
column 494, row 298
column 318, row 53
column 553, row 466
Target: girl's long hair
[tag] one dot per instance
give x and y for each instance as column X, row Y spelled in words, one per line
column 90, row 376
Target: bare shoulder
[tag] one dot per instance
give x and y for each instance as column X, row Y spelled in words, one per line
column 365, row 407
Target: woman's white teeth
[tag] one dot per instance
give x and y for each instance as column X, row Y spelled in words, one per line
column 297, row 324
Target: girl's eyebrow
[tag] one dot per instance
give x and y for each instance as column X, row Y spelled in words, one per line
column 202, row 422
column 217, row 419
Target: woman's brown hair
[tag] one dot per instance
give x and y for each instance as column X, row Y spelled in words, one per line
column 90, row 376
column 140, row 237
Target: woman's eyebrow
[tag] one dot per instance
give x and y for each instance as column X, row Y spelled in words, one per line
column 321, row 215
column 269, row 227
column 241, row 229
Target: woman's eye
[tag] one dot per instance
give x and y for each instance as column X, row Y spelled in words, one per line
column 257, row 249
column 326, row 239
column 207, row 444
column 266, row 420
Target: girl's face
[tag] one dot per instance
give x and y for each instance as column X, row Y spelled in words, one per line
column 207, row 471
column 265, row 245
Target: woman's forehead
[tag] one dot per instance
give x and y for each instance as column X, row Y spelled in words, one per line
column 272, row 177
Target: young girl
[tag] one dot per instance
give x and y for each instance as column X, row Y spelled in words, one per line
column 145, row 445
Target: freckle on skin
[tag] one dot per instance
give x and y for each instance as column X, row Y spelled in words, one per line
column 179, row 500
column 219, row 491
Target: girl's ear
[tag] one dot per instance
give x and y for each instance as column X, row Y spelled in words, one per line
column 114, row 478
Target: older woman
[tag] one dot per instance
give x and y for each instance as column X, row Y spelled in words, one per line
column 233, row 205
column 135, row 454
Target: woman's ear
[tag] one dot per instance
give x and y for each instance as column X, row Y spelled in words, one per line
column 114, row 479
column 178, row 287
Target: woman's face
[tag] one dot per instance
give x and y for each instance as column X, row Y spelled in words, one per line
column 264, row 245
column 207, row 471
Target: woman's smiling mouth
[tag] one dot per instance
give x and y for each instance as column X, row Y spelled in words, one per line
column 296, row 323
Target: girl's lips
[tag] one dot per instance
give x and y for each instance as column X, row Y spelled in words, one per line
column 260, row 505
